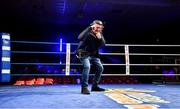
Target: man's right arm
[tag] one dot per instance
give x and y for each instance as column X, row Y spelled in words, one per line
column 84, row 33
column 82, row 40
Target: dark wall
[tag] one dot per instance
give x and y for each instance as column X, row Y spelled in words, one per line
column 161, row 34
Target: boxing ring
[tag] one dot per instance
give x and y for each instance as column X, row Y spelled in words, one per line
column 126, row 55
column 119, row 96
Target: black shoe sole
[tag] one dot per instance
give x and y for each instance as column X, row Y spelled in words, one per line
column 97, row 90
column 85, row 93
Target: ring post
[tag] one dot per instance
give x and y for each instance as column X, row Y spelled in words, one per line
column 5, row 54
column 127, row 59
column 68, row 57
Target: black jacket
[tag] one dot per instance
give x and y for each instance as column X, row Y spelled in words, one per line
column 89, row 42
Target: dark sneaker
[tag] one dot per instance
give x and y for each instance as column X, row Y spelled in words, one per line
column 85, row 90
column 97, row 89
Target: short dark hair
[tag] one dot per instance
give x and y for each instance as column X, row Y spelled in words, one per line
column 97, row 22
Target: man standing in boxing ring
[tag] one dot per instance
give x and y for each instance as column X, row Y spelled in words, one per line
column 90, row 40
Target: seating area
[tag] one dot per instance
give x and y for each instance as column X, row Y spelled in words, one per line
column 30, row 80
column 34, row 81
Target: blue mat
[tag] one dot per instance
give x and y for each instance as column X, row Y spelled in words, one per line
column 68, row 96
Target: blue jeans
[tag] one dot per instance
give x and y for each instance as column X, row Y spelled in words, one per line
column 87, row 61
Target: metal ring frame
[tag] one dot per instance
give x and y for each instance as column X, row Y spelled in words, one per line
column 126, row 54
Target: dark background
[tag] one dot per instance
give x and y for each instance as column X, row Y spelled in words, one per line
column 126, row 22
column 132, row 21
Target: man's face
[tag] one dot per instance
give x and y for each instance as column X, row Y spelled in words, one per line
column 97, row 28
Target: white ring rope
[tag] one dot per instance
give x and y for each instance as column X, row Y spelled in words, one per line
column 127, row 54
column 145, row 54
